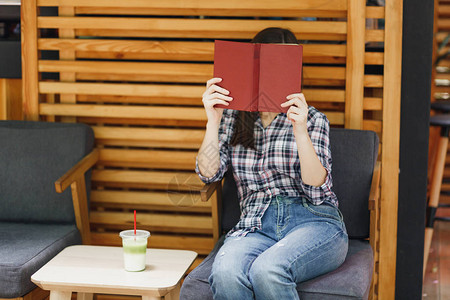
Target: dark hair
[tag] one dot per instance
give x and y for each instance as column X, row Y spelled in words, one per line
column 245, row 121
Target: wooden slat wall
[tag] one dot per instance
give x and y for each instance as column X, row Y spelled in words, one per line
column 135, row 71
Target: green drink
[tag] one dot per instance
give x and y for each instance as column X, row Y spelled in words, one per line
column 134, row 249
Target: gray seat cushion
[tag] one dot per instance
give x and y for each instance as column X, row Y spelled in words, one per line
column 24, row 248
column 33, row 155
column 350, row 281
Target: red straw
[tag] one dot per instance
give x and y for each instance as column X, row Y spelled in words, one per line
column 134, row 222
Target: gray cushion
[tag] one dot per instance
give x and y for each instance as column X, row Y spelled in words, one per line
column 33, row 155
column 350, row 281
column 354, row 153
column 24, row 248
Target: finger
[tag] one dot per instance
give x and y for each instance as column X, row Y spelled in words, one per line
column 219, row 96
column 294, row 101
column 295, row 110
column 215, row 88
column 212, row 81
column 294, row 95
column 301, row 96
column 212, row 103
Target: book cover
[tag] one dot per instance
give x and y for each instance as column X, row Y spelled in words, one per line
column 258, row 76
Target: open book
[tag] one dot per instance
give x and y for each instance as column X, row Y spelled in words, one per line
column 258, row 76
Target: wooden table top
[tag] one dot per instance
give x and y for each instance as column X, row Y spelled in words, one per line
column 100, row 269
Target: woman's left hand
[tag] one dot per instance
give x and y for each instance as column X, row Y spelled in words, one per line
column 297, row 112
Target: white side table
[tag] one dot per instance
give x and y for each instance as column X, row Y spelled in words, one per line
column 98, row 269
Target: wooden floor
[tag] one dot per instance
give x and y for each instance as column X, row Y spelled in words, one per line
column 437, row 277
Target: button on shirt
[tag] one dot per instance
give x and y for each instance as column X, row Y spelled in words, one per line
column 273, row 168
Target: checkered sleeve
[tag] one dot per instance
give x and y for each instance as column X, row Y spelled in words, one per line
column 319, row 133
column 225, row 131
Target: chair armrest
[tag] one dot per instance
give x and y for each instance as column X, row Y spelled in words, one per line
column 77, row 171
column 75, row 179
column 208, row 189
column 375, row 186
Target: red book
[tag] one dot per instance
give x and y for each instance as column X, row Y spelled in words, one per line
column 258, row 76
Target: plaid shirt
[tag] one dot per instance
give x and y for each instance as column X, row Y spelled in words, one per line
column 274, row 168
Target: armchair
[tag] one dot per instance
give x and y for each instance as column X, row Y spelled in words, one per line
column 356, row 184
column 37, row 221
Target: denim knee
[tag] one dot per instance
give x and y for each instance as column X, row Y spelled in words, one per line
column 270, row 280
column 225, row 275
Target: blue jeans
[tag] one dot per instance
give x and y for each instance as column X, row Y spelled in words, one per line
column 298, row 241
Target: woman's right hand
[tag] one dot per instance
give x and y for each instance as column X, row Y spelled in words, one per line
column 213, row 95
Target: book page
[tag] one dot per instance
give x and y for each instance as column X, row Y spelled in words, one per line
column 233, row 62
column 280, row 75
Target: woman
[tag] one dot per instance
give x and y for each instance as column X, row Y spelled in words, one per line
column 290, row 229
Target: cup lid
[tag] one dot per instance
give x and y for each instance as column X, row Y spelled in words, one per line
column 130, row 234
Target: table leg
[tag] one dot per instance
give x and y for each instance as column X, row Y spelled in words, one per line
column 174, row 294
column 60, row 295
column 85, row 296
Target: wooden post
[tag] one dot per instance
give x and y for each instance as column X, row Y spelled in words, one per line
column 390, row 148
column 67, row 11
column 30, row 75
column 354, row 79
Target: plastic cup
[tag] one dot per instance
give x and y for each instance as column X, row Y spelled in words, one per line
column 134, row 249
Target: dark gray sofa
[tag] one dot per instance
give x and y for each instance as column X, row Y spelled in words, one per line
column 35, row 221
column 354, row 154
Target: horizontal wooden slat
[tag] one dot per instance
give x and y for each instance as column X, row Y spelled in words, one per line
column 373, row 125
column 121, row 111
column 146, row 90
column 154, row 221
column 201, row 245
column 375, row 12
column 443, row 24
column 238, row 33
column 171, row 50
column 373, row 80
column 160, row 90
column 374, row 35
column 162, row 180
column 203, row 12
column 149, row 137
column 150, row 200
column 143, row 122
column 171, row 72
column 190, row 28
column 335, row 118
column 329, row 95
column 372, row 103
column 156, row 159
column 319, row 8
column 374, row 58
column 99, row 99
column 205, row 4
column 444, row 10
column 129, row 49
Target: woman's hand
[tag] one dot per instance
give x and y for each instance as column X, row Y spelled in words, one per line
column 213, row 95
column 297, row 112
